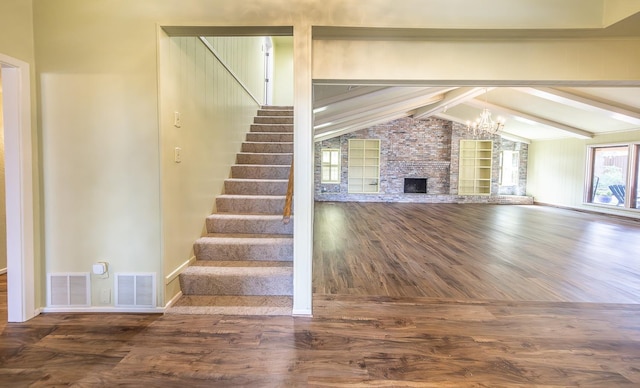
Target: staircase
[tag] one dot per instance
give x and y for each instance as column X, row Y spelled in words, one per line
column 244, row 265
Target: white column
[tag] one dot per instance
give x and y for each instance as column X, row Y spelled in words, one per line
column 303, row 172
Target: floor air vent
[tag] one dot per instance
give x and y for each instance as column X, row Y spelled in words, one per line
column 135, row 289
column 68, row 289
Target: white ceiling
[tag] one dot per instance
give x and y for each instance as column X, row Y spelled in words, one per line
column 531, row 113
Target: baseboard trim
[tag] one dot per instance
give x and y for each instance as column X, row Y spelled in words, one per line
column 119, row 310
column 176, row 272
column 3, row 271
column 304, row 313
column 596, row 209
column 173, row 300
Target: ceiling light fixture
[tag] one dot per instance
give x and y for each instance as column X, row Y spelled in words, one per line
column 485, row 123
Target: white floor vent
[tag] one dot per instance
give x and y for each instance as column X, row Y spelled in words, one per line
column 135, row 289
column 68, row 289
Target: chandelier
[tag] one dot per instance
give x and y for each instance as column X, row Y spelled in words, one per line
column 485, row 123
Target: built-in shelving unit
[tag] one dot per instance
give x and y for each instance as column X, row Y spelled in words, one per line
column 474, row 176
column 364, row 166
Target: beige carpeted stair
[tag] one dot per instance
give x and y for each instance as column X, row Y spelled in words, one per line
column 244, row 265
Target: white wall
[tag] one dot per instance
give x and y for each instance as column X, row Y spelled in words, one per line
column 245, row 57
column 557, row 171
column 216, row 113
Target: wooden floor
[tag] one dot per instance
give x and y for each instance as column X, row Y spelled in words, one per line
column 405, row 296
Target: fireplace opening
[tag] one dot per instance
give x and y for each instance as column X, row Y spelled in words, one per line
column 415, row 185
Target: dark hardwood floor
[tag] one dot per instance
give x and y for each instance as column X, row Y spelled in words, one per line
column 405, row 296
column 512, row 253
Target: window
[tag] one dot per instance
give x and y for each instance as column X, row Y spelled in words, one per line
column 330, row 165
column 612, row 175
column 509, row 175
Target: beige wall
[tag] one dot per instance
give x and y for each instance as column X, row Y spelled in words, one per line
column 101, row 137
column 17, row 41
column 557, row 171
column 526, row 60
column 16, row 29
column 3, row 210
column 283, row 72
column 216, row 113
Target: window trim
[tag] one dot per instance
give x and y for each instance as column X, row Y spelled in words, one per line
column 632, row 181
column 324, row 165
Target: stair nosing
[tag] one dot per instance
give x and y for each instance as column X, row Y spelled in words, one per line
column 252, row 196
column 256, row 179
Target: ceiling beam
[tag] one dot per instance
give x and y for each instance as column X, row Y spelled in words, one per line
column 353, row 92
column 398, row 98
column 451, row 99
column 580, row 133
column 590, row 104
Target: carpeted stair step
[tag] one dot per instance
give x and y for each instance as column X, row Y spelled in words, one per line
column 261, row 147
column 275, row 112
column 267, row 147
column 250, row 204
column 278, row 107
column 259, row 171
column 270, row 137
column 233, row 305
column 271, row 128
column 244, row 247
column 248, row 223
column 264, row 158
column 273, row 120
column 256, row 186
column 236, row 280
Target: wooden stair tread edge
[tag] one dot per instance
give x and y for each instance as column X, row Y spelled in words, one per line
column 231, row 310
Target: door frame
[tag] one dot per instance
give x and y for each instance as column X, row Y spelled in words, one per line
column 16, row 91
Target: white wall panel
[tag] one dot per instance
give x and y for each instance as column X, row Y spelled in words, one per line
column 557, row 169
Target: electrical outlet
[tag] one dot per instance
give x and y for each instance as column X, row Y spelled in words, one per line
column 177, row 119
column 105, row 296
column 177, row 154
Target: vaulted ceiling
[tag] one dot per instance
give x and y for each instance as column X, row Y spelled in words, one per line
column 531, row 113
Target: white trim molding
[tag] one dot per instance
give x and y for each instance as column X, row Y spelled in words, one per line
column 16, row 89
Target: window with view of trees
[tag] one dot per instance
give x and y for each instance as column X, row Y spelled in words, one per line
column 613, row 175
